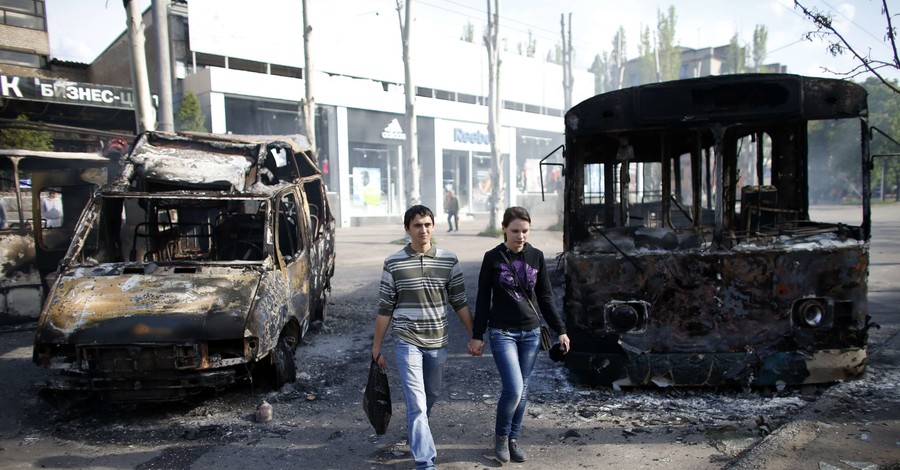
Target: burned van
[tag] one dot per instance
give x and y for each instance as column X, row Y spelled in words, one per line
column 691, row 254
column 203, row 263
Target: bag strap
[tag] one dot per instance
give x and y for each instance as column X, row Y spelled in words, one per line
column 515, row 277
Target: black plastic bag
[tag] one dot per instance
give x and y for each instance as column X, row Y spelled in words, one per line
column 377, row 399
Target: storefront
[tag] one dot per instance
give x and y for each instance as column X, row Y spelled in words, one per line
column 375, row 161
column 532, row 146
column 465, row 153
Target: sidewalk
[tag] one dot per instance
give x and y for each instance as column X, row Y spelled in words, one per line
column 468, row 245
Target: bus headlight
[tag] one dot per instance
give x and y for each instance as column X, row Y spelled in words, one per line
column 626, row 317
column 811, row 313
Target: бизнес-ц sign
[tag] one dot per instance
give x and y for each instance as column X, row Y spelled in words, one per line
column 66, row 92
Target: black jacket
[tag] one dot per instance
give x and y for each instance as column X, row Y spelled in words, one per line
column 500, row 304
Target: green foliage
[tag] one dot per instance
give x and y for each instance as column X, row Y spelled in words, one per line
column 25, row 139
column 600, row 69
column 647, row 61
column 884, row 113
column 834, row 146
column 527, row 48
column 189, row 116
column 735, row 59
column 554, row 56
column 490, row 232
column 468, row 34
column 669, row 55
column 760, row 38
column 607, row 67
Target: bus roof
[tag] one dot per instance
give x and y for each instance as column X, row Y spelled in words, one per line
column 718, row 99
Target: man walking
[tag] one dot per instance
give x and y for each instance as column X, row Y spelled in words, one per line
column 452, row 208
column 417, row 284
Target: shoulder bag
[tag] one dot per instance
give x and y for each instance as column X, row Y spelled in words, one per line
column 546, row 341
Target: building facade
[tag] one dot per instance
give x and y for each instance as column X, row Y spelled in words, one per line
column 358, row 87
column 58, row 95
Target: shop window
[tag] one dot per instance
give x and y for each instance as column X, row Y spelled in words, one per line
column 256, row 117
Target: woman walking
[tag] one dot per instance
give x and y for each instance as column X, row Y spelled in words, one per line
column 512, row 283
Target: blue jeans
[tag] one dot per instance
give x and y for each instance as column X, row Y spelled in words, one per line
column 514, row 352
column 421, row 371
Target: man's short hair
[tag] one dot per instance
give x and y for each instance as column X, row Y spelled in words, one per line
column 413, row 211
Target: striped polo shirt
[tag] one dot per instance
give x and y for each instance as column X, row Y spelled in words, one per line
column 416, row 290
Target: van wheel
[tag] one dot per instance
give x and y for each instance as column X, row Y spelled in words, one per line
column 284, row 369
column 322, row 309
column 304, row 327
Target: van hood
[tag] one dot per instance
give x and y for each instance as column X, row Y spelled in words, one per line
column 166, row 306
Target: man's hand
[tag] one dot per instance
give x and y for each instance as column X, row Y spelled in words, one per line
column 379, row 359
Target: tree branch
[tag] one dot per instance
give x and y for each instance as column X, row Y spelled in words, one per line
column 826, row 29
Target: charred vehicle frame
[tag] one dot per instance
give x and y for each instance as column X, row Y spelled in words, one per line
column 690, row 256
column 205, row 259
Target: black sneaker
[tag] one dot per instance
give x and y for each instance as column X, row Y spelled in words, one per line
column 501, row 448
column 515, row 453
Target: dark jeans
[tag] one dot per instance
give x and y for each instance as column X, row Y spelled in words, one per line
column 451, row 216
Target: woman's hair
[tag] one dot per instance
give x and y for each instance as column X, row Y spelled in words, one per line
column 513, row 213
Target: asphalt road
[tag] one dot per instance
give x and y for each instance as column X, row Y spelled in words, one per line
column 319, row 421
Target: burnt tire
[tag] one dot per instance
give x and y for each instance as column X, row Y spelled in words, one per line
column 321, row 312
column 283, row 368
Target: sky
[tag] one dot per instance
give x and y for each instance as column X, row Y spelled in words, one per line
column 76, row 33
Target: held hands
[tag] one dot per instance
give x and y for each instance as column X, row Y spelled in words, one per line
column 475, row 347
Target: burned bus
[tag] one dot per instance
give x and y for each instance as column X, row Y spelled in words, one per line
column 690, row 254
column 42, row 194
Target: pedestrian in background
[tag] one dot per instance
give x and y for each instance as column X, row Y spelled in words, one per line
column 418, row 283
column 512, row 281
column 451, row 205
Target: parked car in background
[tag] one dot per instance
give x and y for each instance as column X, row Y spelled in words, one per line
column 202, row 264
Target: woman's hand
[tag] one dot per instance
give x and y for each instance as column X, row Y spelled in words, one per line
column 564, row 343
column 475, row 347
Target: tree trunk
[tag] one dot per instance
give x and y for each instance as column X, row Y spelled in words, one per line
column 412, row 170
column 492, row 43
column 309, row 102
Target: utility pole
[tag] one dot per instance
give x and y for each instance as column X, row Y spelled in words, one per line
column 165, row 118
column 143, row 105
column 309, row 102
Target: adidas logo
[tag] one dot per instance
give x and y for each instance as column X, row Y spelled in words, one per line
column 393, row 131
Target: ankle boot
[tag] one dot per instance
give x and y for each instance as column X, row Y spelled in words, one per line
column 501, row 448
column 515, row 453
